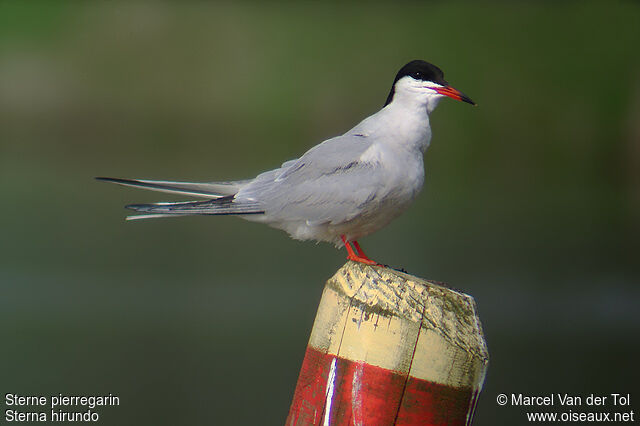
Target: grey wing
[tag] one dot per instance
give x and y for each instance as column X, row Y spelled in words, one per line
column 328, row 184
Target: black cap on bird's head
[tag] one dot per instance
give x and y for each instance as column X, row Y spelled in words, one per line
column 424, row 71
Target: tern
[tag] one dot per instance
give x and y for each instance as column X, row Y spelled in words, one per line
column 342, row 189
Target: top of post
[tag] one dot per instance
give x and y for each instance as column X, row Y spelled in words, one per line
column 390, row 293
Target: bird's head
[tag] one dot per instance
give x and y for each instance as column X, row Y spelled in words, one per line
column 423, row 83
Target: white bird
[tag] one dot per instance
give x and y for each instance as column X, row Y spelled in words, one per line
column 339, row 191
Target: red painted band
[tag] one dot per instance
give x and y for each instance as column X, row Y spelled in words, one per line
column 351, row 393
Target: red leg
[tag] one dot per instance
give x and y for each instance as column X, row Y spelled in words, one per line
column 347, row 245
column 360, row 257
column 359, row 250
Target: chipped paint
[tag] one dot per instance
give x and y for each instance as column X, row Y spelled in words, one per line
column 393, row 349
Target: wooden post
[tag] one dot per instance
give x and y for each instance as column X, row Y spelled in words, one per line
column 388, row 348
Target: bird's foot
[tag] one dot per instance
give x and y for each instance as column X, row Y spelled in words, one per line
column 366, row 260
column 360, row 256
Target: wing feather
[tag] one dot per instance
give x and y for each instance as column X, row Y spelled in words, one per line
column 328, row 184
column 195, row 189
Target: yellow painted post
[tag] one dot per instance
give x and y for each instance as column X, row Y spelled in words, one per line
column 388, row 348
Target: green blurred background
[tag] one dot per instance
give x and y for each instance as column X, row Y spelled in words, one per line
column 531, row 202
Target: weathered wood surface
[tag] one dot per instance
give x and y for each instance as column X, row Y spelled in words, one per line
column 388, row 348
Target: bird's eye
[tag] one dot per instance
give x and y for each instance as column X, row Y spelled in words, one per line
column 417, row 75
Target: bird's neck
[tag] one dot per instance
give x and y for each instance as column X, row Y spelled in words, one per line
column 399, row 123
